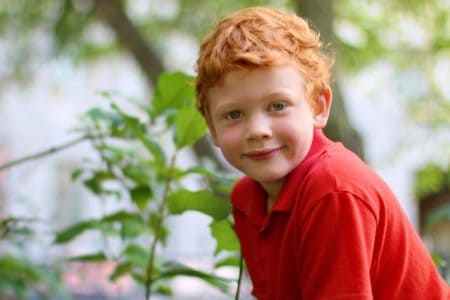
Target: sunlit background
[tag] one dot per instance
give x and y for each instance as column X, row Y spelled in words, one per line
column 58, row 58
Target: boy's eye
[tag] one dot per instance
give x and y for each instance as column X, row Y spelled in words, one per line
column 278, row 106
column 233, row 115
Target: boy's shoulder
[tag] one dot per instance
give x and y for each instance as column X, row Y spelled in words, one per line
column 334, row 165
column 333, row 169
column 339, row 170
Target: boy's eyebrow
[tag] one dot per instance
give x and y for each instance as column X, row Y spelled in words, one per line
column 226, row 106
column 278, row 93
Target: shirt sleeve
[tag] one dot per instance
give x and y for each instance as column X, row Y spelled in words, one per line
column 336, row 248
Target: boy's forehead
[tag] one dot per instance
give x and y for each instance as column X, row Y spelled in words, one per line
column 234, row 76
column 268, row 74
column 259, row 83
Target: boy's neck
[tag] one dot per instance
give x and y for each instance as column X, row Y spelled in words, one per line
column 272, row 190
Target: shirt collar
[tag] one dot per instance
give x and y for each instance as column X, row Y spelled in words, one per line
column 254, row 203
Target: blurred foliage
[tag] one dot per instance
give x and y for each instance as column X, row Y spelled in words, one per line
column 138, row 168
column 25, row 279
column 431, row 179
column 411, row 34
column 432, row 185
column 21, row 277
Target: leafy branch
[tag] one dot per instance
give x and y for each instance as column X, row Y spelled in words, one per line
column 47, row 152
column 132, row 156
column 136, row 157
column 159, row 221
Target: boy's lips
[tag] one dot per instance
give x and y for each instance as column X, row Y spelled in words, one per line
column 262, row 154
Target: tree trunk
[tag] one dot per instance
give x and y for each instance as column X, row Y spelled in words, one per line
column 320, row 14
column 112, row 11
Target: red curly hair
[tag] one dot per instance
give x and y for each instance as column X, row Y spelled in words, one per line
column 259, row 37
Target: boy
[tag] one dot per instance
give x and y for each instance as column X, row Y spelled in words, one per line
column 314, row 222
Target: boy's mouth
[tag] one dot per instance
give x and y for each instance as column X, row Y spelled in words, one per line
column 262, row 154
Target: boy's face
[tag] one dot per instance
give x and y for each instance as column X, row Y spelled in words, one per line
column 262, row 121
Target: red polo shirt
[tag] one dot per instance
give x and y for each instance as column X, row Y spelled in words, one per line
column 336, row 231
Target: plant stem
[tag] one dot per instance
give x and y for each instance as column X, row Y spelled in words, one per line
column 52, row 150
column 100, row 139
column 241, row 268
column 158, row 225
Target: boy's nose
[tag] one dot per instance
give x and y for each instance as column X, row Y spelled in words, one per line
column 258, row 128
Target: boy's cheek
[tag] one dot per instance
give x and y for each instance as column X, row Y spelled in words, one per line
column 226, row 140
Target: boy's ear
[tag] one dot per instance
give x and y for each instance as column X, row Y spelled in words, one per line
column 322, row 108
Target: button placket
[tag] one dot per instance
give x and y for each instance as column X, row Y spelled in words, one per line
column 263, row 258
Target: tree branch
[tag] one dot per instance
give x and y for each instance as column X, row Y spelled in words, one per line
column 321, row 13
column 112, row 11
column 41, row 154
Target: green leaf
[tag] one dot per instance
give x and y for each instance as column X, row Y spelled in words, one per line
column 121, row 216
column 94, row 257
column 115, row 154
column 76, row 174
column 14, row 267
column 173, row 91
column 137, row 172
column 132, row 125
column 98, row 114
column 222, row 187
column 107, row 229
column 172, row 269
column 139, row 278
column 430, row 180
column 155, row 150
column 135, row 254
column 94, row 184
column 224, row 234
column 121, row 270
column 140, row 195
column 132, row 224
column 195, row 170
column 229, row 261
column 19, row 277
column 202, row 201
column 20, row 231
column 75, row 230
column 189, row 127
column 162, row 289
column 131, row 228
column 16, row 227
column 103, row 175
column 105, row 120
